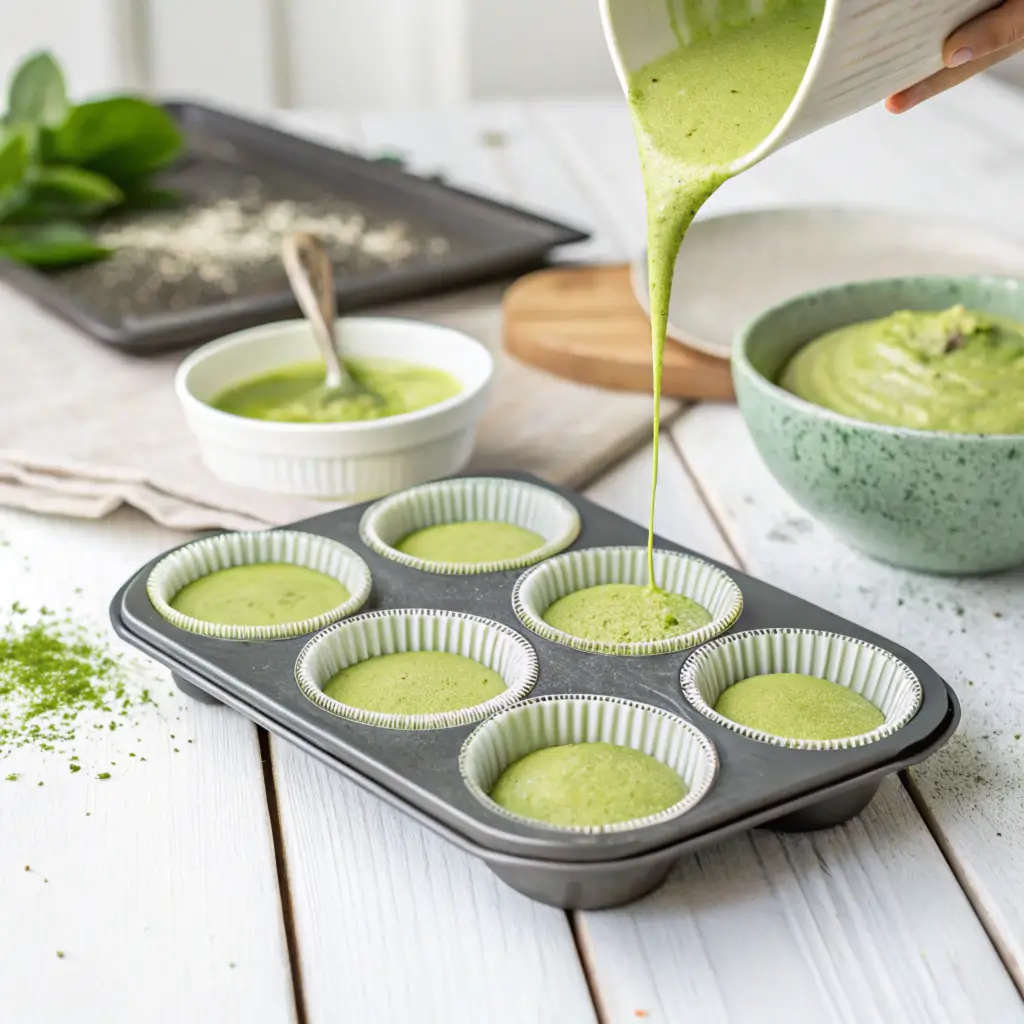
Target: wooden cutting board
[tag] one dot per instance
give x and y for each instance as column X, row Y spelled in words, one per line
column 584, row 323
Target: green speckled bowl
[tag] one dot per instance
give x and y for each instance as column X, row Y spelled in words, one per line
column 926, row 500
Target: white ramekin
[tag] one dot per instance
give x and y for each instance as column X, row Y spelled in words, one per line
column 336, row 460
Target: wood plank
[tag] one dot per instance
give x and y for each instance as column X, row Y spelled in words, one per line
column 926, row 161
column 394, row 924
column 860, row 923
column 496, row 149
column 594, row 139
column 679, row 513
column 864, row 922
column 584, row 324
column 158, row 884
column 967, row 629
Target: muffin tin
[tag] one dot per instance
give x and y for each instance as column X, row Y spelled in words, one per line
column 757, row 783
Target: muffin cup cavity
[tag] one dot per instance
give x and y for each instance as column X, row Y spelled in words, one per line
column 536, row 590
column 874, row 674
column 553, row 721
column 402, row 631
column 228, row 550
column 470, row 499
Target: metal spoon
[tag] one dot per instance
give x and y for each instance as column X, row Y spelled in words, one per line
column 308, row 266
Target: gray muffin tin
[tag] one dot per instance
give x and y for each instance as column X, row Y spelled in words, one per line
column 757, row 784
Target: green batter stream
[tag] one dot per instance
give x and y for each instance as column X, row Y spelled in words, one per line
column 696, row 111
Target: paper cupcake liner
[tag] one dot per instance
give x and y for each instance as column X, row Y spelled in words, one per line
column 403, row 630
column 558, row 720
column 877, row 675
column 470, row 499
column 228, row 550
column 536, row 590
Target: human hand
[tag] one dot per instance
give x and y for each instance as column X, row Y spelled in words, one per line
column 972, row 48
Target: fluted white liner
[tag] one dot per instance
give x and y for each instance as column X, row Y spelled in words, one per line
column 875, row 674
column 559, row 720
column 228, row 550
column 538, row 588
column 403, row 630
column 470, row 499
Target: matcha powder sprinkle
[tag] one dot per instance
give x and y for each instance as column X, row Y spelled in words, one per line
column 51, row 671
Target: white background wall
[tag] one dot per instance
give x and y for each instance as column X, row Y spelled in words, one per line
column 319, row 53
column 87, row 33
column 537, row 48
column 341, row 54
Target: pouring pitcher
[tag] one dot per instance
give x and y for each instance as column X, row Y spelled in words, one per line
column 866, row 50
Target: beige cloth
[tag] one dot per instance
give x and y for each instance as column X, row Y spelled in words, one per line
column 85, row 428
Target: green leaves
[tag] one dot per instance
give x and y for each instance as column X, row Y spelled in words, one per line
column 62, row 166
column 67, row 192
column 77, row 183
column 13, row 161
column 124, row 139
column 57, row 244
column 37, row 95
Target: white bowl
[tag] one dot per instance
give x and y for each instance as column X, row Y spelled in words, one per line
column 336, row 460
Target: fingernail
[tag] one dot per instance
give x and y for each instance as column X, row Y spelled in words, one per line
column 962, row 56
column 903, row 101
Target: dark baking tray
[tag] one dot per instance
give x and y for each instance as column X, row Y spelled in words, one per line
column 488, row 239
column 757, row 782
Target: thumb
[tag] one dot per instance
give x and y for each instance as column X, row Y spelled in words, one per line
column 989, row 33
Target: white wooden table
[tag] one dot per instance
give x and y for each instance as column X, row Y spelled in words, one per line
column 231, row 878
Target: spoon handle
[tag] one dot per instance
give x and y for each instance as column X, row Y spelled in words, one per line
column 308, row 266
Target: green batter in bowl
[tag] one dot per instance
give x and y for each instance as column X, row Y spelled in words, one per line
column 903, row 434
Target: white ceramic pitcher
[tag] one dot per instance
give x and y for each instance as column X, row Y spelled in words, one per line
column 867, row 50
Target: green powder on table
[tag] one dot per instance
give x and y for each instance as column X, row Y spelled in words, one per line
column 52, row 670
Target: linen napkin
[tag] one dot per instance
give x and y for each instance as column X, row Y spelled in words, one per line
column 85, row 429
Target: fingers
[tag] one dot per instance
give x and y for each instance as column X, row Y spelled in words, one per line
column 945, row 79
column 972, row 48
column 997, row 30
